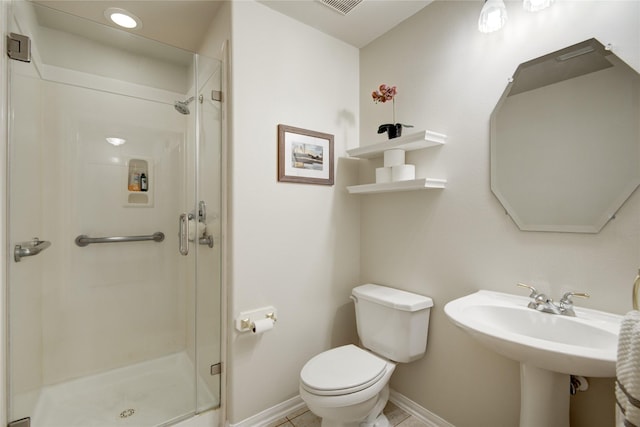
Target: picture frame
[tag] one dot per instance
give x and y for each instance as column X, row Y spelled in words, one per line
column 304, row 156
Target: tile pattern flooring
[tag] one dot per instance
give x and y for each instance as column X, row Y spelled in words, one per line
column 305, row 418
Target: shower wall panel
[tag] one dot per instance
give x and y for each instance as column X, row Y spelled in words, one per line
column 62, row 49
column 109, row 305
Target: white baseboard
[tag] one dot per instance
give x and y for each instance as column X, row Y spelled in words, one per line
column 281, row 410
column 411, row 407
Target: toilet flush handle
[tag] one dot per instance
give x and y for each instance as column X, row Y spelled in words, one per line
column 353, row 298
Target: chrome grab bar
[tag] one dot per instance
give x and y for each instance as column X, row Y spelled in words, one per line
column 84, row 240
column 31, row 248
column 183, row 234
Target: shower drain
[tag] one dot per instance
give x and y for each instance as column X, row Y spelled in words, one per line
column 127, row 413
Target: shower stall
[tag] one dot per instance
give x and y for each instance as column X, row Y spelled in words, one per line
column 114, row 227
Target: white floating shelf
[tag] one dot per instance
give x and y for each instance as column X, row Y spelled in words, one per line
column 414, row 141
column 415, row 184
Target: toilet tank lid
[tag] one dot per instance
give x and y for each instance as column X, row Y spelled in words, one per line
column 390, row 297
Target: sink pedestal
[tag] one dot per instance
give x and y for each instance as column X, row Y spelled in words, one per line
column 544, row 397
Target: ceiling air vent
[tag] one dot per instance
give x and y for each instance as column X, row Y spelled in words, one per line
column 342, row 6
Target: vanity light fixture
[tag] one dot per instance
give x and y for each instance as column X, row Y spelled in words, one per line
column 493, row 16
column 536, row 5
column 123, row 18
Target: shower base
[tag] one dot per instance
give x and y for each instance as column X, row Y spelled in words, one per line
column 149, row 394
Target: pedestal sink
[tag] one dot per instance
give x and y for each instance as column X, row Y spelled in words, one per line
column 549, row 347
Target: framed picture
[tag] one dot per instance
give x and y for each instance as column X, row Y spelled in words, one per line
column 304, row 156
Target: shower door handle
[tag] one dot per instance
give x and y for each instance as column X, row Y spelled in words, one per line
column 31, row 248
column 183, row 234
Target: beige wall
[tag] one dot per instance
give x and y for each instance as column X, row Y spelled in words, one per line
column 452, row 242
column 219, row 32
column 443, row 244
column 293, row 246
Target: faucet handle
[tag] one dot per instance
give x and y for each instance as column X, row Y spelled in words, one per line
column 537, row 297
column 534, row 292
column 566, row 298
column 566, row 304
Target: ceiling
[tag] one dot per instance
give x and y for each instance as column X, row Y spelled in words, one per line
column 179, row 23
column 184, row 23
column 366, row 22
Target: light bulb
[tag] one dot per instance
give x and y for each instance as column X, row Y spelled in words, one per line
column 122, row 18
column 493, row 16
column 115, row 141
column 536, row 5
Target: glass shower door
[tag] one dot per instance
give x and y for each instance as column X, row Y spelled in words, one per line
column 110, row 324
column 209, row 249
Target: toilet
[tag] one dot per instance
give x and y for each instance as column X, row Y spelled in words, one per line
column 348, row 386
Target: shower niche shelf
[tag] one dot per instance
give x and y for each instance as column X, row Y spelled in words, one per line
column 132, row 187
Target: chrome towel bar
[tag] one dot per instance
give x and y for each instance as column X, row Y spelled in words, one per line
column 84, row 240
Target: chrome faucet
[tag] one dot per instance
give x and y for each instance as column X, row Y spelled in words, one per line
column 546, row 305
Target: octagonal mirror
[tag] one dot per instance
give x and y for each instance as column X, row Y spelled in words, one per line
column 565, row 140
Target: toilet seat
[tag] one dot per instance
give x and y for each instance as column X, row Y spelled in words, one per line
column 342, row 370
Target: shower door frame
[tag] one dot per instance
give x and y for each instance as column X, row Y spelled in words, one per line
column 4, row 143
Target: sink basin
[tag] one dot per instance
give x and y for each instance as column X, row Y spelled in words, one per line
column 583, row 345
column 549, row 347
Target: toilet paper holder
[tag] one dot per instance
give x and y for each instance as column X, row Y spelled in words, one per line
column 246, row 320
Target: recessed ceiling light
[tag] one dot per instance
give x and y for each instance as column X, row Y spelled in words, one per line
column 123, row 18
column 116, row 141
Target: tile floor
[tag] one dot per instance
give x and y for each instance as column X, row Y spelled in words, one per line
column 305, row 418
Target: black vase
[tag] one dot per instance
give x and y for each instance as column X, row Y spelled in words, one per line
column 393, row 130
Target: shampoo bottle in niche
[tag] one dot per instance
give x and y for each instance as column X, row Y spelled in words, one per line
column 144, row 184
column 134, row 180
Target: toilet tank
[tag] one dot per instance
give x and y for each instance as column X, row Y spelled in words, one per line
column 392, row 323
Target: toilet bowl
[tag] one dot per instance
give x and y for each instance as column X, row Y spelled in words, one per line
column 348, row 386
